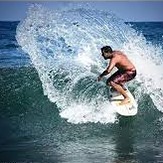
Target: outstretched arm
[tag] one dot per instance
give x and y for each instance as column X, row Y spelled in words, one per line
column 108, row 69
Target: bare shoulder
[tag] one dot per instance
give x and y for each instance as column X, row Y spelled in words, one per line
column 118, row 54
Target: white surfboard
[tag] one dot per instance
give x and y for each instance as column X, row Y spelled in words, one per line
column 129, row 109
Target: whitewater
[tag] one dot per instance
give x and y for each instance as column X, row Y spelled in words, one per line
column 64, row 47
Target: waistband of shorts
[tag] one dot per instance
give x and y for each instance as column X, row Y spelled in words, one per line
column 131, row 70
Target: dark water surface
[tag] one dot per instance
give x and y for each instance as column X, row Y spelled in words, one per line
column 31, row 129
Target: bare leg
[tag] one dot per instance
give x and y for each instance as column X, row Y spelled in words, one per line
column 121, row 91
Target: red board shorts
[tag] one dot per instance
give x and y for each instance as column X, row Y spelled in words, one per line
column 122, row 76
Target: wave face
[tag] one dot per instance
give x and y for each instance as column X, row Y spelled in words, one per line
column 64, row 47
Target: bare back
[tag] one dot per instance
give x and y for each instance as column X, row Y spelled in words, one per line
column 121, row 61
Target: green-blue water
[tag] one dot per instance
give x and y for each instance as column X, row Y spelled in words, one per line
column 32, row 130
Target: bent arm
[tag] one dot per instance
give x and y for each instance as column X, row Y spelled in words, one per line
column 109, row 68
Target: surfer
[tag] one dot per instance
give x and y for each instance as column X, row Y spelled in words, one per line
column 126, row 71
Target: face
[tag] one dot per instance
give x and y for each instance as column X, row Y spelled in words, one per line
column 106, row 55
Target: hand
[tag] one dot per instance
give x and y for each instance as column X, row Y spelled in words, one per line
column 99, row 78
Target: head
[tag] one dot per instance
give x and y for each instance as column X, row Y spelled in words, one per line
column 106, row 52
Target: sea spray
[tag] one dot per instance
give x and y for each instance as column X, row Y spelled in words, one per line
column 64, row 47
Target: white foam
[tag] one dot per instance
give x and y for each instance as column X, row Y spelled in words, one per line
column 64, row 46
column 80, row 113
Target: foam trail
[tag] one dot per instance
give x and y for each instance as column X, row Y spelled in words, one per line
column 64, row 47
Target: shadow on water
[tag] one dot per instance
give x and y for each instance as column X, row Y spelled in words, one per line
column 124, row 140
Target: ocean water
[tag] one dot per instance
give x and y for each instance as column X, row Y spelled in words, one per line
column 51, row 107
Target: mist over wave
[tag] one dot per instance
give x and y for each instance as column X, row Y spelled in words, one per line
column 64, row 47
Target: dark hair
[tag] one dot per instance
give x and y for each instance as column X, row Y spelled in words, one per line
column 106, row 49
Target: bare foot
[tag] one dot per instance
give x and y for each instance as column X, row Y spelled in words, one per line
column 125, row 101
